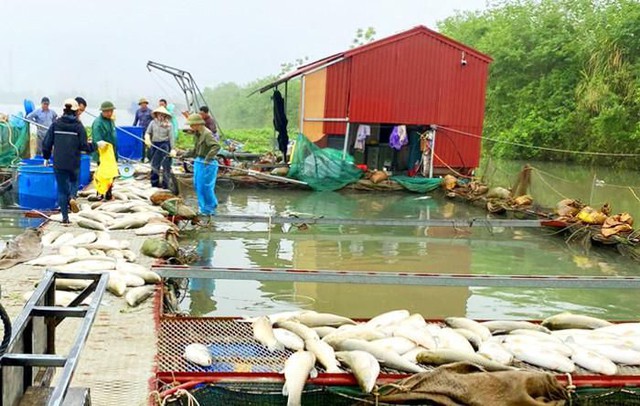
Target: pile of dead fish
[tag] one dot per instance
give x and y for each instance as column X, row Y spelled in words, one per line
column 96, row 251
column 405, row 342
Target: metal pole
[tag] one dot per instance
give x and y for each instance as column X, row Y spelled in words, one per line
column 404, row 278
column 303, row 89
column 346, row 140
column 29, row 121
column 433, row 149
column 456, row 223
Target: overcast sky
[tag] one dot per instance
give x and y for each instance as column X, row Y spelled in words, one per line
column 100, row 48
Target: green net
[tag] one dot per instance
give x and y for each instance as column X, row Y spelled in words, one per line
column 14, row 141
column 245, row 393
column 416, row 184
column 322, row 168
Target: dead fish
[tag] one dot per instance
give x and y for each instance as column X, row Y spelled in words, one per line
column 152, row 229
column 390, row 359
column 314, row 319
column 82, row 253
column 129, row 255
column 446, row 356
column 263, row 333
column 86, row 265
column 117, row 285
column 50, row 237
column 128, row 222
column 135, row 296
column 288, row 339
column 102, row 245
column 509, row 325
column 387, row 318
column 462, row 322
column 115, row 254
column 568, row 320
column 471, row 336
column 297, row 368
column 96, row 253
column 67, row 251
column 120, row 196
column 95, row 216
column 139, row 270
column 71, row 284
column 324, row 354
column 324, row 331
column 50, row 260
column 399, row 345
column 131, row 280
column 84, row 238
column 364, row 366
column 198, row 354
column 300, row 329
column 62, row 239
column 91, row 224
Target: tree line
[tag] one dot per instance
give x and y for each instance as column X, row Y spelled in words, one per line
column 565, row 75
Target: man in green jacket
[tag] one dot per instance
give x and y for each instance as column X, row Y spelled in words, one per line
column 205, row 165
column 104, row 129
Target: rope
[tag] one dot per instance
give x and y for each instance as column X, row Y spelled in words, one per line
column 634, row 194
column 518, row 144
column 549, row 186
column 191, row 400
column 450, row 168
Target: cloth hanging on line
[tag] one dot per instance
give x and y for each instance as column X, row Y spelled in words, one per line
column 364, row 132
column 398, row 138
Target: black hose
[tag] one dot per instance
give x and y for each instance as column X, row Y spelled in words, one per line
column 6, row 327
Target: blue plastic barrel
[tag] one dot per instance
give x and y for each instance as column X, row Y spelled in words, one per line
column 37, row 188
column 130, row 146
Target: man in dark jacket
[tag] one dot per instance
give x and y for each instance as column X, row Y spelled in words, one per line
column 66, row 138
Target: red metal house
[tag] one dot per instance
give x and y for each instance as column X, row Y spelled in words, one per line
column 415, row 78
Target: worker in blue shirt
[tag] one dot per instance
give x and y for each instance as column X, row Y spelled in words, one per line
column 45, row 117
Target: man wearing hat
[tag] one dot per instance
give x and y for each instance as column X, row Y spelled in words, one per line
column 67, row 138
column 143, row 114
column 205, row 165
column 45, row 117
column 159, row 137
column 104, row 129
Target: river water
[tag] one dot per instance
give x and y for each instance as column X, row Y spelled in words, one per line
column 496, row 251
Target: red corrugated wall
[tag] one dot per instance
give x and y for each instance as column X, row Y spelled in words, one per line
column 416, row 80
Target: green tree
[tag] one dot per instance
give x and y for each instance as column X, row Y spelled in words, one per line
column 565, row 75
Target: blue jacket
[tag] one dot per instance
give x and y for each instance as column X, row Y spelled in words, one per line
column 66, row 138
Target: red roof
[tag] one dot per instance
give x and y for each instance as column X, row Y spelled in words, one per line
column 419, row 30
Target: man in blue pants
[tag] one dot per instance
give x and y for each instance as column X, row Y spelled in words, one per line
column 205, row 165
column 66, row 138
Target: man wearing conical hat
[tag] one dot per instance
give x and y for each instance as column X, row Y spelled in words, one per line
column 205, row 165
column 159, row 138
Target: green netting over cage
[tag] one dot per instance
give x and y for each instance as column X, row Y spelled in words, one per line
column 322, row 168
column 270, row 394
column 14, row 141
column 417, row 184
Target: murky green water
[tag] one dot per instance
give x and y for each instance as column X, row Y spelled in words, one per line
column 413, row 249
column 409, row 249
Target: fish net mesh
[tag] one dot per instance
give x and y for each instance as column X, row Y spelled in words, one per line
column 270, row 394
column 323, row 169
column 14, row 142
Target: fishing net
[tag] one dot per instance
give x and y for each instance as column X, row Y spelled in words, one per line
column 322, row 168
column 14, row 142
column 416, row 184
column 246, row 393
